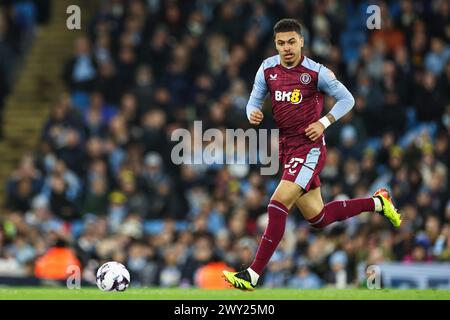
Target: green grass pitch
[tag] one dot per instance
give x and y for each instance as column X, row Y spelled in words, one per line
column 15, row 293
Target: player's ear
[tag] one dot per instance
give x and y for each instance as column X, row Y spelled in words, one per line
column 302, row 41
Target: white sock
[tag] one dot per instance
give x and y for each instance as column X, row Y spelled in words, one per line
column 254, row 276
column 378, row 205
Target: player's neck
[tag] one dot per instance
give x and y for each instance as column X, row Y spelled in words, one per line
column 294, row 64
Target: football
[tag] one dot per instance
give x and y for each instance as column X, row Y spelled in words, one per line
column 113, row 276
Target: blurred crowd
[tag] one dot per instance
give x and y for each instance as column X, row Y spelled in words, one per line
column 102, row 181
column 18, row 23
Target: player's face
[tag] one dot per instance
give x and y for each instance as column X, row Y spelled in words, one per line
column 289, row 46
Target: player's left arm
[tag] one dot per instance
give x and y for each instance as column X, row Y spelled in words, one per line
column 328, row 83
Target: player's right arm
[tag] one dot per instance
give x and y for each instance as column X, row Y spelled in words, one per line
column 257, row 97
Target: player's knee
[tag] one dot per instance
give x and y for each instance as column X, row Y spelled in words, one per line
column 315, row 211
column 286, row 196
column 285, row 200
column 310, row 210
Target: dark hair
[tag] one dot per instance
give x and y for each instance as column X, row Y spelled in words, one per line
column 286, row 25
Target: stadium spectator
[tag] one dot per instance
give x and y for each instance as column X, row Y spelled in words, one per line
column 80, row 71
column 436, row 59
column 53, row 265
column 304, row 278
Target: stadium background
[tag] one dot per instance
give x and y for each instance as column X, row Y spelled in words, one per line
column 95, row 177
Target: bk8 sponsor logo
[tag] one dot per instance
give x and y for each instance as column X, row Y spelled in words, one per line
column 294, row 96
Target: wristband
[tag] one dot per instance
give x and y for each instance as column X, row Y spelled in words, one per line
column 325, row 121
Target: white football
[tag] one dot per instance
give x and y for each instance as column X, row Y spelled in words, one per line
column 113, row 276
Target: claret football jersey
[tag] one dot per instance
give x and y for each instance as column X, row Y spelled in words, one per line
column 297, row 95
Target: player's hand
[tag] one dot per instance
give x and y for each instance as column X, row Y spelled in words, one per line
column 256, row 116
column 314, row 130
